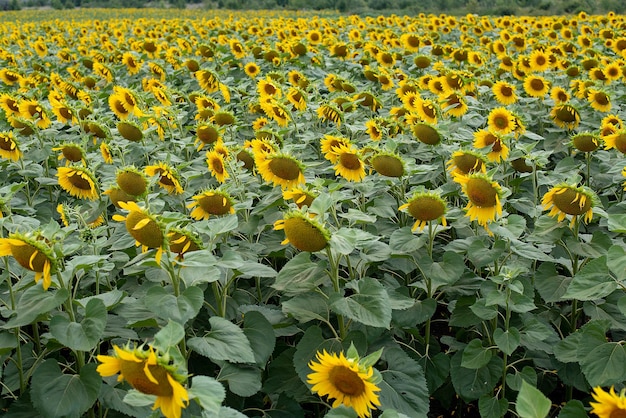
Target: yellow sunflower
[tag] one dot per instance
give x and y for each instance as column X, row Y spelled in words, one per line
column 567, row 200
column 466, row 162
column 425, row 206
column 70, row 151
column 303, row 231
column 539, row 61
column 599, row 100
column 485, row 138
column 586, row 141
column 9, row 146
column 182, row 242
column 426, row 133
column 142, row 226
column 348, row 163
column 211, row 202
column 118, row 195
column 387, row 164
column 346, row 381
column 301, row 196
column 565, row 116
column 536, row 86
column 608, row 404
column 329, row 142
column 78, row 182
column 32, row 110
column 32, row 253
column 168, row 177
column 281, row 169
column 616, row 139
column 252, row 69
column 484, row 198
column 501, row 121
column 216, row 164
column 330, row 112
column 148, row 372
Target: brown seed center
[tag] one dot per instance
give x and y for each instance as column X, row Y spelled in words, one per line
column 346, row 381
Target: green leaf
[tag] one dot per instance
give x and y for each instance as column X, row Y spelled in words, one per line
column 605, row 365
column 307, row 307
column 242, row 380
column 252, row 269
column 207, row 391
column 480, row 255
column 617, row 222
column 616, row 261
column 260, row 334
column 181, row 309
column 573, row 409
column 169, row 336
column 113, row 398
column 310, row 344
column 475, row 355
column 492, row 407
column 527, row 374
column 374, row 251
column 341, row 411
column 591, row 282
column 419, row 313
column 471, row 384
column 551, row 285
column 34, row 302
column 436, row 369
column 403, row 241
column 138, row 399
column 507, row 341
column 83, row 335
column 404, row 386
column 531, row 403
column 225, row 341
column 445, row 272
column 369, row 304
column 55, row 394
column 299, row 275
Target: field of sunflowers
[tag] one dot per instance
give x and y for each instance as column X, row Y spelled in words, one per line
column 226, row 215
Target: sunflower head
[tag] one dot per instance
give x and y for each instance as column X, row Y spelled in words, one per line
column 9, row 146
column 78, row 182
column 132, row 181
column 565, row 199
column 483, row 196
column 586, row 141
column 608, row 404
column 72, row 152
column 303, row 232
column 466, row 162
column 143, row 226
column 211, row 202
column 565, row 115
column 426, row 133
column 182, row 241
column 387, row 164
column 33, row 252
column 301, row 196
column 168, row 177
column 130, row 130
column 425, row 206
column 281, row 169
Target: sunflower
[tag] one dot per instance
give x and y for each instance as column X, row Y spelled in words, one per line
column 31, row 252
column 9, row 146
column 150, row 373
column 142, row 226
column 485, row 138
column 132, row 64
column 70, row 151
column 501, row 121
column 427, row 110
column 565, row 116
column 303, row 231
column 182, row 242
column 78, row 182
column 30, row 109
column 330, row 112
column 536, row 86
column 616, row 140
column 426, row 133
column 252, row 69
column 216, row 165
column 268, row 87
column 207, row 134
column 346, row 381
column 564, row 199
column 329, row 142
column 132, row 181
column 297, row 98
column 599, row 100
column 211, row 202
column 484, row 198
column 281, row 169
column 387, row 164
column 608, row 404
column 539, row 61
column 454, row 105
column 559, row 95
column 425, row 206
column 586, row 141
column 168, row 177
column 208, row 80
column 10, row 105
column 301, row 196
column 348, row 164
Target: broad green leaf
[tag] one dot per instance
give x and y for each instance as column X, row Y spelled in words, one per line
column 551, row 285
column 617, row 222
column 475, row 355
column 591, row 282
column 7, row 342
column 436, row 370
column 83, row 335
column 282, row 378
column 471, row 384
column 566, row 350
column 445, row 272
column 369, row 304
column 207, row 391
column 343, row 241
column 56, row 394
column 419, row 313
column 243, row 380
column 392, row 413
column 169, row 336
column 300, row 275
column 527, row 374
column 507, row 341
column 374, row 251
column 403, row 241
column 531, row 403
column 110, row 298
column 167, row 306
column 251, row 269
column 223, row 412
column 341, row 411
column 573, row 409
column 404, row 386
column 616, row 261
column 479, row 254
column 138, row 399
column 113, row 398
column 225, row 341
column 311, row 343
column 605, row 365
column 529, row 251
column 492, row 407
column 307, row 307
column 34, row 302
column 260, row 333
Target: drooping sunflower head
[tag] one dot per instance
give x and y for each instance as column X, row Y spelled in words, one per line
column 349, row 164
column 300, row 195
column 71, row 151
column 223, row 118
column 9, row 146
column 143, row 226
column 465, row 162
column 566, row 199
column 149, row 372
column 117, row 195
column 330, row 112
column 387, row 164
column 426, row 133
column 130, row 130
column 608, row 404
column 586, row 141
column 168, row 177
column 346, row 380
column 33, row 252
column 132, row 181
column 425, row 206
column 281, row 169
column 565, row 115
column 182, row 241
column 78, row 182
column 303, row 232
column 211, row 202
column 483, row 196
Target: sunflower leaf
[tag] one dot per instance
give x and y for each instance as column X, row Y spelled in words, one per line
column 531, row 403
column 34, row 302
column 207, row 391
column 83, row 335
column 591, row 282
column 369, row 304
column 225, row 341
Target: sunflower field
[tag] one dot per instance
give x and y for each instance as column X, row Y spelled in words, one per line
column 288, row 215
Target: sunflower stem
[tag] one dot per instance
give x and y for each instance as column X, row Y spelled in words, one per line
column 18, row 347
column 334, row 278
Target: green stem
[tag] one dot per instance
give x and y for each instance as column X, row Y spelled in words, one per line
column 18, row 347
column 334, row 278
column 505, row 357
